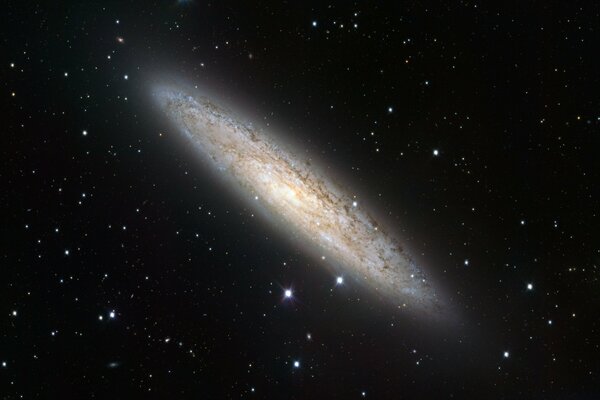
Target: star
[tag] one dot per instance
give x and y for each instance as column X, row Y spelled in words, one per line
column 339, row 280
column 506, row 354
column 296, row 364
column 436, row 152
column 288, row 293
column 112, row 315
column 530, row 286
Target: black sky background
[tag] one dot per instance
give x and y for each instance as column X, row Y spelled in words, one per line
column 507, row 94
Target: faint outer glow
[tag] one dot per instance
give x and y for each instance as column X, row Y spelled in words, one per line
column 298, row 197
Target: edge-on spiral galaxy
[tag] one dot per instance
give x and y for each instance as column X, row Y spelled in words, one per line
column 293, row 192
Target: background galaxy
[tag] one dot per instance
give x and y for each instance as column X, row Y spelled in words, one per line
column 130, row 271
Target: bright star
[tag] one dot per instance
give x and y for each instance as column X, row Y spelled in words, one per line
column 339, row 280
column 529, row 286
column 506, row 354
column 296, row 364
column 288, row 293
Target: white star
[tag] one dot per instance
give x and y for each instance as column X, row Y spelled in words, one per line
column 436, row 152
column 529, row 286
column 84, row 133
column 288, row 293
column 112, row 314
column 506, row 354
column 339, row 280
column 314, row 23
column 296, row 364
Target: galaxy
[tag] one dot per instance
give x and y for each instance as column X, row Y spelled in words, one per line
column 291, row 188
column 299, row 200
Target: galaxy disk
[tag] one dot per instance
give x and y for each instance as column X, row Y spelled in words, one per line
column 298, row 197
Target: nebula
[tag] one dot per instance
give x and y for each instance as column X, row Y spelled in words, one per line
column 301, row 199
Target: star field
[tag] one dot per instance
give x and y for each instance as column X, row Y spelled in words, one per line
column 469, row 128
